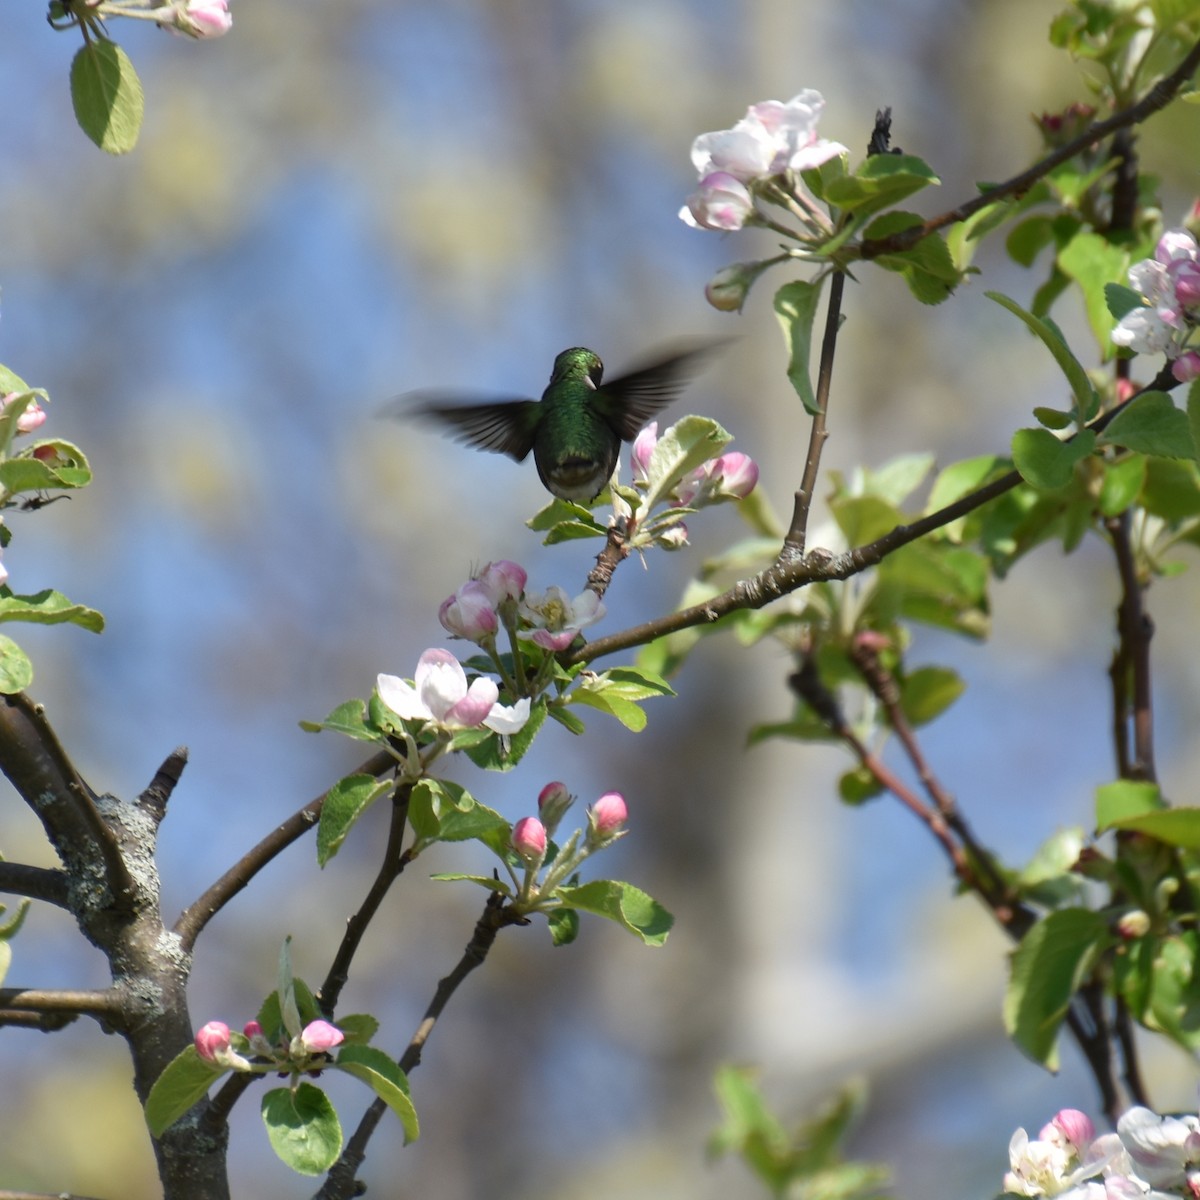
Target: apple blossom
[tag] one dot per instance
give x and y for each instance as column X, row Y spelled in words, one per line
column 470, row 613
column 557, row 620
column 721, row 201
column 529, row 840
column 643, row 448
column 1164, row 1151
column 736, row 474
column 439, row 694
column 1169, row 283
column 503, row 580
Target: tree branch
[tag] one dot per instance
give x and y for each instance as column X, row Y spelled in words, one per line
column 1158, row 97
column 38, row 883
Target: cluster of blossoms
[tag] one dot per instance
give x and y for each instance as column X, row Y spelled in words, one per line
column 730, row 476
column 1169, row 284
column 771, row 140
column 306, row 1051
column 496, row 596
column 531, row 839
column 1150, row 1157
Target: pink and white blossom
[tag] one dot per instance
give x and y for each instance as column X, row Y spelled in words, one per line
column 556, row 618
column 1169, row 284
column 503, row 580
column 721, row 201
column 470, row 613
column 440, row 694
column 196, row 18
column 319, row 1037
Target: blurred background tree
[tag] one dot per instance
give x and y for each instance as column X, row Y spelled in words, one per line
column 337, row 203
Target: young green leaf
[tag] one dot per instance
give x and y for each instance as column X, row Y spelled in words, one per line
column 1045, row 461
column 185, row 1079
column 1151, row 424
column 622, row 902
column 49, row 607
column 345, row 802
column 16, row 671
column 1048, row 968
column 107, row 96
column 303, row 1128
column 389, row 1082
column 796, row 308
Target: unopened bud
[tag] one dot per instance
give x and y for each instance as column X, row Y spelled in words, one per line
column 529, row 840
column 606, row 818
column 553, row 802
column 1133, row 925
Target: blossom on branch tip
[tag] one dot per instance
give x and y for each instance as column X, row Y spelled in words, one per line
column 606, row 818
column 503, row 580
column 553, row 801
column 33, row 416
column 557, row 619
column 439, row 694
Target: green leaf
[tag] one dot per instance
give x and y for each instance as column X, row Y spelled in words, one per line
column 16, row 671
column 185, row 1079
column 1054, row 858
column 928, row 691
column 345, row 802
column 303, row 1128
column 622, row 902
column 485, row 881
column 617, row 692
column 1122, row 484
column 680, row 449
column 1081, row 387
column 1151, row 424
column 1052, row 962
column 1093, row 263
column 10, row 928
column 1121, row 300
column 559, row 512
column 572, row 531
column 358, row 1028
column 857, row 786
column 441, row 811
column 564, row 925
column 1173, row 1000
column 626, row 711
column 796, row 308
column 880, row 181
column 928, row 267
column 107, row 96
column 1193, row 411
column 349, row 719
column 1174, row 826
column 68, row 468
column 1125, row 798
column 389, row 1082
column 48, row 607
column 11, row 382
column 1046, row 462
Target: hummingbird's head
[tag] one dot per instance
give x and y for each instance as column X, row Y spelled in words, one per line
column 578, row 363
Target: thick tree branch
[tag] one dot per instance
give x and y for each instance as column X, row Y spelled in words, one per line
column 105, row 1005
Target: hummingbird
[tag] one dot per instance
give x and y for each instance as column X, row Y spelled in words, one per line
column 576, row 429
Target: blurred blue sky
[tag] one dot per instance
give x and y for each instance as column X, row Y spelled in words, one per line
column 337, row 203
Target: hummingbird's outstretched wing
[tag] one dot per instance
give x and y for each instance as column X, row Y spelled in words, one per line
column 503, row 426
column 634, row 398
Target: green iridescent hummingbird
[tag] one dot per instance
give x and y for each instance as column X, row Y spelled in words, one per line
column 576, row 429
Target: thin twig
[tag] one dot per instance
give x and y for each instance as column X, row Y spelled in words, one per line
column 394, row 862
column 38, row 883
column 340, row 1182
column 793, row 543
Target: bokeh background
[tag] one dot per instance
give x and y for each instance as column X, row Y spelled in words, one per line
column 339, row 202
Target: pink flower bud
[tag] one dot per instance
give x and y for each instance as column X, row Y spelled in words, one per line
column 503, row 580
column 1186, row 367
column 1133, row 925
column 643, row 448
column 33, row 416
column 212, row 1041
column 252, row 1029
column 1073, row 1127
column 673, row 538
column 609, row 814
column 737, row 474
column 196, row 18
column 553, row 802
column 727, row 290
column 319, row 1037
column 721, row 201
column 470, row 613
column 529, row 840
